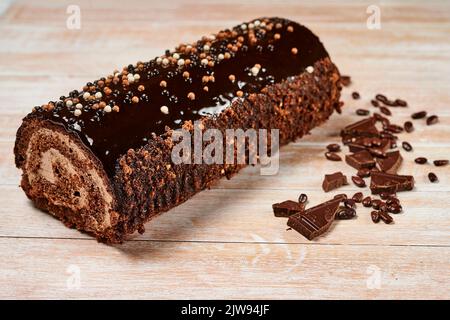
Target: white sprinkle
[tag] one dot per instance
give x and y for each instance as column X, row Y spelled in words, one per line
column 164, row 109
column 77, row 112
column 251, row 25
column 137, row 77
column 86, row 95
column 98, row 95
column 255, row 71
column 189, row 47
column 130, row 78
column 243, row 26
column 206, row 48
column 310, row 69
column 69, row 103
column 176, row 56
column 165, row 61
column 263, row 24
column 180, row 62
column 221, row 56
column 204, row 61
column 158, row 60
column 79, row 106
column 107, row 109
column 257, row 23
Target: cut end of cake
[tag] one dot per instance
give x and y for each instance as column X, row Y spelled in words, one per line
column 64, row 178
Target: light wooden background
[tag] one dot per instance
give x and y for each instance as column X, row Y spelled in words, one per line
column 225, row 242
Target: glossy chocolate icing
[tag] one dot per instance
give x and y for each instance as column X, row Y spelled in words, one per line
column 279, row 48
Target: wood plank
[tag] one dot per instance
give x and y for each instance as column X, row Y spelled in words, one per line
column 219, row 270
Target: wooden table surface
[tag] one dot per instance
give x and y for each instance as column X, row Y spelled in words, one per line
column 225, row 242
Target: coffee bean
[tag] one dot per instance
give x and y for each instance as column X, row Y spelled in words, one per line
column 333, row 147
column 302, row 198
column 394, row 208
column 350, row 203
column 363, row 173
column 385, row 217
column 408, row 126
column 375, row 216
column 419, row 115
column 358, row 181
column 376, row 203
column 440, row 163
column 357, row 197
column 346, row 81
column 332, row 156
column 367, row 201
column 383, row 207
column 420, row 160
column 407, row 146
column 401, row 103
column 355, row 95
column 362, row 112
column 385, row 111
column 341, row 196
column 381, row 98
column 390, row 103
column 375, row 103
column 344, row 213
column 432, row 177
column 432, row 120
column 392, row 201
column 384, row 195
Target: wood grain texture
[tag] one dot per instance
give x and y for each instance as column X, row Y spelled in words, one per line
column 225, row 242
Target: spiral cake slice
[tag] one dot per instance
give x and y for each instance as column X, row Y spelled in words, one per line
column 99, row 158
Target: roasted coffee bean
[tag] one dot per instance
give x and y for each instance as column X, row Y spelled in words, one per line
column 376, row 203
column 350, row 203
column 346, row 81
column 367, row 201
column 362, row 112
column 440, row 163
column 394, row 208
column 363, row 173
column 358, row 181
column 332, row 156
column 375, row 216
column 384, row 195
column 375, row 103
column 344, row 213
column 333, row 147
column 302, row 198
column 381, row 97
column 378, row 117
column 420, row 160
column 394, row 128
column 432, row 120
column 386, row 217
column 355, row 95
column 407, row 146
column 385, row 111
column 392, row 201
column 383, row 207
column 341, row 196
column 408, row 126
column 419, row 115
column 432, row 177
column 357, row 197
column 390, row 103
column 401, row 103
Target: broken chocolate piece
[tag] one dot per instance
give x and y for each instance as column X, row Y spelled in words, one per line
column 391, row 163
column 333, row 181
column 316, row 220
column 365, row 127
column 287, row 208
column 361, row 159
column 390, row 183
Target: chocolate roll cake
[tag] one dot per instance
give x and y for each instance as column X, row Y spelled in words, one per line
column 99, row 159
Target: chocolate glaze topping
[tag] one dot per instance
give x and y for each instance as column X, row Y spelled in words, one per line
column 125, row 109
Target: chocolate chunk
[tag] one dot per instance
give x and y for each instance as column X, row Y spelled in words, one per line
column 333, row 147
column 341, row 196
column 432, row 120
column 367, row 201
column 440, row 163
column 391, row 163
column 345, row 213
column 333, row 181
column 302, row 198
column 363, row 173
column 316, row 220
column 419, row 115
column 332, row 156
column 365, row 127
column 390, row 183
column 432, row 177
column 377, row 152
column 361, row 159
column 420, row 160
column 287, row 208
column 358, row 181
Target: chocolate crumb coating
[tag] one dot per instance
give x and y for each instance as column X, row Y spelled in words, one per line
column 99, row 158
